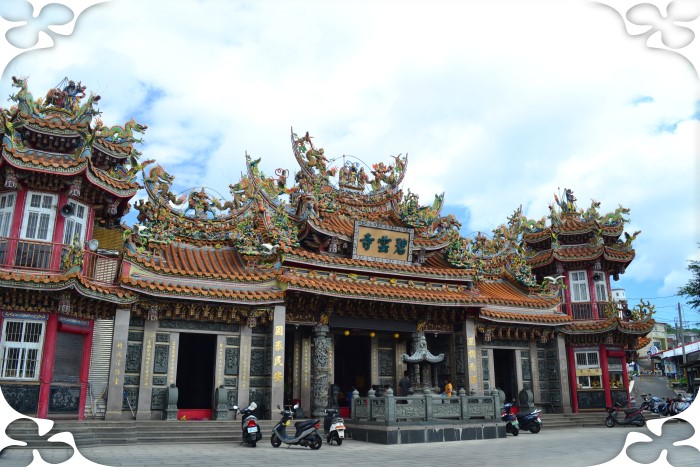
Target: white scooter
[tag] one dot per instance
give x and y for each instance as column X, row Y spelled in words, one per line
column 249, row 424
column 334, row 427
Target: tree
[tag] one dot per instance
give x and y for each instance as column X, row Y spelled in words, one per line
column 691, row 290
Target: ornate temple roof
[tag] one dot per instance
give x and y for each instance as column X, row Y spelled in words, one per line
column 59, row 134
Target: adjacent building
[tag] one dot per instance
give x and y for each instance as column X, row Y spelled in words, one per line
column 287, row 290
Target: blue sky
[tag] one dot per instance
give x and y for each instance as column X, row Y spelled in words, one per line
column 498, row 104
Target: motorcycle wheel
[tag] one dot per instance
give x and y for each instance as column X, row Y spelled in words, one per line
column 609, row 422
column 275, row 441
column 253, row 444
column 338, row 440
column 316, row 442
column 515, row 431
column 535, row 428
column 640, row 423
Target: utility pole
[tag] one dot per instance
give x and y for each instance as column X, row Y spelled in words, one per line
column 680, row 318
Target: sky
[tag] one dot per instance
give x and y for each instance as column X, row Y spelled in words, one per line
column 496, row 103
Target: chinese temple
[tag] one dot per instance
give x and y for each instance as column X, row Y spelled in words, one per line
column 284, row 290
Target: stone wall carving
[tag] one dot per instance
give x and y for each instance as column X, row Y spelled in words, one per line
column 160, row 359
column 387, row 361
column 22, row 398
column 257, row 362
column 64, row 399
column 231, row 361
column 133, row 358
column 159, row 398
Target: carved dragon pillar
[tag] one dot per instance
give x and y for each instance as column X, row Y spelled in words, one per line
column 321, row 370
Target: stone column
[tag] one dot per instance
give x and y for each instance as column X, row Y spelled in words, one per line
column 244, row 365
column 220, row 398
column 399, row 350
column 321, row 370
column 278, row 337
column 473, row 358
column 115, row 388
column 296, row 367
column 306, row 375
column 143, row 411
column 563, row 374
column 374, row 362
column 535, row 371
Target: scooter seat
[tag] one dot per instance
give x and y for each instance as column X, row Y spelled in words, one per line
column 632, row 410
column 304, row 423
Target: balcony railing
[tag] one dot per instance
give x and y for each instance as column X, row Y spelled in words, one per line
column 47, row 257
column 582, row 310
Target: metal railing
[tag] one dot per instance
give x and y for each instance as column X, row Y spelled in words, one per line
column 582, row 310
column 47, row 257
column 424, row 407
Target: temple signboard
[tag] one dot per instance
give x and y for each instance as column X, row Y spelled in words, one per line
column 383, row 243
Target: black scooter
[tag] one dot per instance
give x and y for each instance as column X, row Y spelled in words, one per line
column 633, row 416
column 249, row 424
column 530, row 421
column 306, row 431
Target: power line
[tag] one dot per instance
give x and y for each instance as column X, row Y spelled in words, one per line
column 651, row 298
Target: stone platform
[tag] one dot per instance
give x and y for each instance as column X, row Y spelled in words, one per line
column 426, row 432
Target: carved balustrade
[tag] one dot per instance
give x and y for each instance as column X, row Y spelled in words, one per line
column 428, row 406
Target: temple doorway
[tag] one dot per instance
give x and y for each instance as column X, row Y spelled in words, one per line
column 352, row 363
column 505, row 375
column 195, row 371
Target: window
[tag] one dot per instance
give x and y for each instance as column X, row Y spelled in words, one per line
column 75, row 224
column 7, row 208
column 579, row 286
column 20, row 349
column 601, row 288
column 39, row 217
column 588, row 373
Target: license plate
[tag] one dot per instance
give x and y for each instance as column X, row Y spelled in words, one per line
column 252, row 429
column 341, row 433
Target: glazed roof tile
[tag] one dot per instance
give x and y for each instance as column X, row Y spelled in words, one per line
column 120, row 184
column 585, row 252
column 609, row 324
column 202, row 262
column 303, row 256
column 157, row 286
column 64, row 281
column 53, row 124
column 551, row 318
column 49, row 160
column 396, row 290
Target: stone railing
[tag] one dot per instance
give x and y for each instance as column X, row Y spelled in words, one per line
column 425, row 407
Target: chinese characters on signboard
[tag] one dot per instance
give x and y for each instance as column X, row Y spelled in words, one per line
column 383, row 243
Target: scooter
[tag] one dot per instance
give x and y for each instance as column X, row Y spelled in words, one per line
column 511, row 419
column 633, row 416
column 249, row 424
column 306, row 431
column 334, row 427
column 531, row 421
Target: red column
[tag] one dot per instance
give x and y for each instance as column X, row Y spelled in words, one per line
column 85, row 369
column 606, row 374
column 591, row 293
column 573, row 381
column 47, row 361
column 567, row 293
column 625, row 377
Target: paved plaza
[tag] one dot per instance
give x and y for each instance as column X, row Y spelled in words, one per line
column 564, row 447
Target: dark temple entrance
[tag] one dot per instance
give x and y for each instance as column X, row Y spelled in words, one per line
column 352, row 363
column 504, row 372
column 195, row 371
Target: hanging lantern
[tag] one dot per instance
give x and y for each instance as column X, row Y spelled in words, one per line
column 346, row 332
column 372, row 334
column 396, row 335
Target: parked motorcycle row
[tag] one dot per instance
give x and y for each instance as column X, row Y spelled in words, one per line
column 667, row 407
column 635, row 415
column 306, row 431
column 520, row 421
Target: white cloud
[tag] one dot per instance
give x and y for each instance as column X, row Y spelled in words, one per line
column 496, row 103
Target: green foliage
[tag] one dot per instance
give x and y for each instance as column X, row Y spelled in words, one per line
column 691, row 290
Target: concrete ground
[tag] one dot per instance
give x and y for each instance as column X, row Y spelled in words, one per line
column 563, row 447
